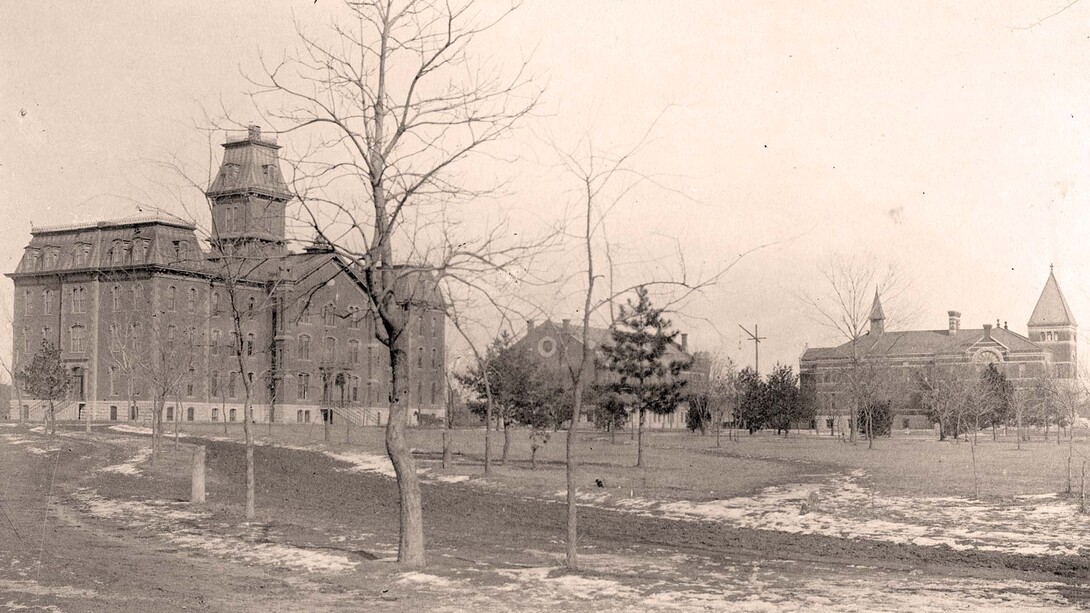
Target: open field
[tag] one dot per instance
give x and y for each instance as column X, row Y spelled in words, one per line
column 761, row 524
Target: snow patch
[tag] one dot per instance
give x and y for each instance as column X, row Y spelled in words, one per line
column 186, row 529
column 132, row 467
column 362, row 461
column 451, row 478
column 841, row 507
column 132, row 429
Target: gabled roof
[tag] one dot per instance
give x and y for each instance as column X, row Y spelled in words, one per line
column 1052, row 308
column 923, row 342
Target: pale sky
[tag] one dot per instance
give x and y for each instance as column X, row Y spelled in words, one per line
column 948, row 136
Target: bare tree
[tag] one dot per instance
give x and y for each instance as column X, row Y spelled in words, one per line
column 852, row 287
column 604, row 181
column 392, row 104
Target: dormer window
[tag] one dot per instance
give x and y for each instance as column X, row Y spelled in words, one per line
column 140, row 251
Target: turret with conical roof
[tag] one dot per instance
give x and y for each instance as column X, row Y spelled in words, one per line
column 249, row 197
column 1052, row 325
column 877, row 315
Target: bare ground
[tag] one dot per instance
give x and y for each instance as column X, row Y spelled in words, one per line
column 75, row 537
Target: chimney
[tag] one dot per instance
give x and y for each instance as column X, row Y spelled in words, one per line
column 955, row 322
column 685, row 342
column 1005, row 326
column 253, row 132
column 530, row 325
column 987, row 332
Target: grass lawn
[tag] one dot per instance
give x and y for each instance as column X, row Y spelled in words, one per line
column 682, row 465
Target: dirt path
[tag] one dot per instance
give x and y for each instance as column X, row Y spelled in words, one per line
column 487, row 550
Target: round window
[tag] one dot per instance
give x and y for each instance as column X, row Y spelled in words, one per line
column 547, row 346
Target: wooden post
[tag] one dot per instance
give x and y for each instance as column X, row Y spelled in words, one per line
column 196, row 495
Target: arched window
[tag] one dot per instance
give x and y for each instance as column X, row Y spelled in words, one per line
column 215, row 342
column 354, row 351
column 76, row 338
column 215, row 384
column 137, row 296
column 232, row 383
column 172, row 297
column 329, row 315
column 189, row 414
column 170, row 413
column 434, row 358
column 215, row 414
column 232, row 414
column 215, row 303
column 115, row 297
column 191, row 300
column 355, row 389
column 304, row 314
column 250, row 305
column 420, row 357
column 234, row 349
column 28, row 302
column 304, row 347
column 47, row 301
column 354, row 317
column 250, row 343
column 299, row 416
column 26, row 339
column 434, row 392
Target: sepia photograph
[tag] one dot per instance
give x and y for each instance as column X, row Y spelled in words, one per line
column 544, row 305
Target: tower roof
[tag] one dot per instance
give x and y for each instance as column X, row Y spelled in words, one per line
column 876, row 311
column 1051, row 309
column 250, row 164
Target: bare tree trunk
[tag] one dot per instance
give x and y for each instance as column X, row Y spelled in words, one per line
column 487, row 421
column 639, row 441
column 410, row 551
column 506, row 441
column 177, row 418
column 446, row 446
column 1018, row 415
column 248, row 433
column 718, row 427
column 571, row 559
column 976, row 482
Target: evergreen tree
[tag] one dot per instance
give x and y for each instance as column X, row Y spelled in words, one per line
column 751, row 400
column 781, row 399
column 636, row 355
column 46, row 378
column 521, row 391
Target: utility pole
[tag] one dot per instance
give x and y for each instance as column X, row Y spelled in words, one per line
column 753, row 336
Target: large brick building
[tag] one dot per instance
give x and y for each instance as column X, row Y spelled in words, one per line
column 116, row 296
column 1049, row 348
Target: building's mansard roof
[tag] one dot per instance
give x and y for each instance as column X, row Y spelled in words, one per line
column 919, row 343
column 1051, row 309
column 250, row 169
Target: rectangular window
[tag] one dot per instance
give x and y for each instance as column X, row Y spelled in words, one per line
column 47, row 301
column 304, row 386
